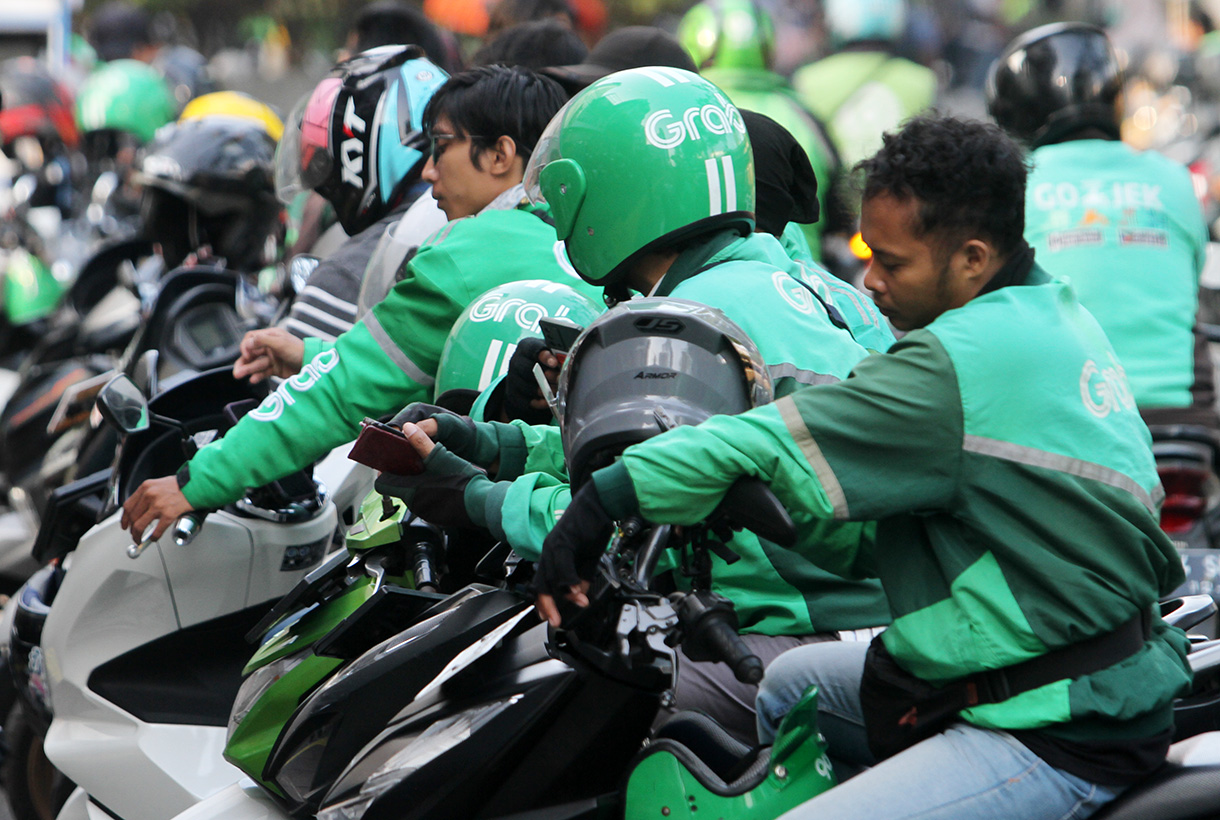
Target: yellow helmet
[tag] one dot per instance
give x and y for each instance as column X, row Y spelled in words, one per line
column 234, row 104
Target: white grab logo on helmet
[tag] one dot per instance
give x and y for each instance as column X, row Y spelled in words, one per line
column 665, row 130
column 493, row 307
column 273, row 406
column 721, row 196
column 351, row 150
column 495, row 364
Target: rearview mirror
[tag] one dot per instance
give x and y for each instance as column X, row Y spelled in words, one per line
column 123, row 405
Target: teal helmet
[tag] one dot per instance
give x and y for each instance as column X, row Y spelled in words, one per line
column 728, row 34
column 691, row 168
column 484, row 337
column 849, row 21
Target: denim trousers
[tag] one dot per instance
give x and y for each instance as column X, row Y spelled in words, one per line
column 963, row 772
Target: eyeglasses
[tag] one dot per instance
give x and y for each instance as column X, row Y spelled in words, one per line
column 436, row 149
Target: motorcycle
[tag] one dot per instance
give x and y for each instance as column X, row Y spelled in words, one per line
column 131, row 665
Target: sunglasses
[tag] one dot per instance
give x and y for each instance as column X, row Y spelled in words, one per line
column 436, row 149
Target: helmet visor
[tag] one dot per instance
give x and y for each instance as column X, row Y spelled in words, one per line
column 546, row 151
column 304, row 159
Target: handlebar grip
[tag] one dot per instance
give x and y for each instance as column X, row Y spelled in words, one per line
column 424, row 568
column 732, row 650
column 188, row 526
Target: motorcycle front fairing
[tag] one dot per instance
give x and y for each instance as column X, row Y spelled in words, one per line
column 516, row 730
column 329, row 729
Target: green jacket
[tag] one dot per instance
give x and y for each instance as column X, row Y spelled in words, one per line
column 776, row 591
column 766, row 92
column 386, row 361
column 1125, row 229
column 1015, row 490
column 862, row 94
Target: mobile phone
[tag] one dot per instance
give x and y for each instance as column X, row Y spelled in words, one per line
column 559, row 335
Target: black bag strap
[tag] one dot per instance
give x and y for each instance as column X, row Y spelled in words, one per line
column 1071, row 661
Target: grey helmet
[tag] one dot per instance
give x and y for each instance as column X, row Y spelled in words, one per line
column 648, row 365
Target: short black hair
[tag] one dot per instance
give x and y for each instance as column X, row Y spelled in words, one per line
column 508, row 13
column 968, row 177
column 394, row 23
column 535, row 45
column 492, row 101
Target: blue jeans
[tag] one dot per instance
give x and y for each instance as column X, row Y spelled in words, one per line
column 964, row 772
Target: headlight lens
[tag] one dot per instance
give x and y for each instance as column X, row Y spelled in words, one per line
column 258, row 683
column 430, row 744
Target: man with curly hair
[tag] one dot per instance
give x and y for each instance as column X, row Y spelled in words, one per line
column 1027, row 673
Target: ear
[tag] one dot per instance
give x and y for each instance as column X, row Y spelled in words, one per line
column 501, row 158
column 974, row 259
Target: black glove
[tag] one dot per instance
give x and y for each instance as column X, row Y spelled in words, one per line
column 571, row 550
column 476, row 442
column 417, row 412
column 438, row 495
column 520, row 386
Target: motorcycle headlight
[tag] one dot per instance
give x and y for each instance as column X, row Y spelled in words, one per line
column 253, row 687
column 430, row 744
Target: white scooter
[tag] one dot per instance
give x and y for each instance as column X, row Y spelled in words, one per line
column 139, row 655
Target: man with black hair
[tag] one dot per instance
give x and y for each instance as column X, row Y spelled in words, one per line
column 1027, row 673
column 536, row 44
column 394, row 22
column 483, row 124
column 508, row 13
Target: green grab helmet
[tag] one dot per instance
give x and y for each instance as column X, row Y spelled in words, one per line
column 484, row 337
column 728, row 34
column 638, row 161
column 125, row 95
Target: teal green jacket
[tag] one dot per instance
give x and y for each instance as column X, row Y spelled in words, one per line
column 766, row 92
column 1125, row 229
column 776, row 591
column 1015, row 493
column 860, row 95
column 386, row 361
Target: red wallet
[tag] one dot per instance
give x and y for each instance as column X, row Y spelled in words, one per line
column 384, row 448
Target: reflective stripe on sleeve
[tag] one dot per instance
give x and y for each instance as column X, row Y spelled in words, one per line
column 1033, row 457
column 813, row 454
column 395, row 352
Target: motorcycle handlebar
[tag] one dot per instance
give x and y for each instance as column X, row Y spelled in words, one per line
column 710, row 625
column 732, row 650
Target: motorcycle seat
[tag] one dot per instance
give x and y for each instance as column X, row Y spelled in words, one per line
column 721, row 763
column 1172, row 793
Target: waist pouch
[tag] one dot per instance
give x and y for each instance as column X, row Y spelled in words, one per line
column 900, row 709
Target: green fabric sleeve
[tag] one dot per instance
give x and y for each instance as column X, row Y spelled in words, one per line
column 616, row 492
column 543, row 450
column 307, row 416
column 529, row 508
column 385, row 362
column 314, row 346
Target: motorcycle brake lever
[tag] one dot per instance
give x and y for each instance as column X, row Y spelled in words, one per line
column 134, row 550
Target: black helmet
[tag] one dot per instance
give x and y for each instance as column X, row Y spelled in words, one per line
column 1055, row 80
column 357, row 138
column 648, row 365
column 210, row 182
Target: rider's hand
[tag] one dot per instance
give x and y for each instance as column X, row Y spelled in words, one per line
column 157, row 499
column 570, row 553
column 522, row 397
column 271, row 351
column 477, row 442
column 439, row 493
